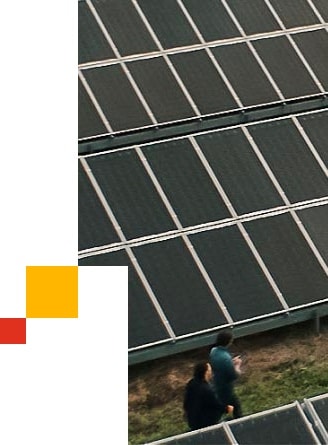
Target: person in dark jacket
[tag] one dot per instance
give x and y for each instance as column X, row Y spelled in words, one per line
column 225, row 371
column 200, row 404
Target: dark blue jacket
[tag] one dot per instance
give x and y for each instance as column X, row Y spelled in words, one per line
column 224, row 373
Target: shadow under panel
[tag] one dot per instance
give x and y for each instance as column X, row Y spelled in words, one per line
column 235, row 273
column 316, row 127
column 92, row 44
column 245, row 74
column 314, row 46
column 212, row 19
column 289, row 259
column 130, row 193
column 95, row 228
column 295, row 13
column 161, row 89
column 315, row 220
column 289, row 68
column 117, row 98
column 290, row 159
column 185, row 182
column 169, row 23
column 239, row 171
column 284, row 426
column 145, row 325
column 125, row 26
column 203, row 82
column 179, row 286
column 89, row 121
column 254, row 16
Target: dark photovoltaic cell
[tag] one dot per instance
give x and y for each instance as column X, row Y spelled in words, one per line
column 322, row 7
column 169, row 23
column 90, row 123
column 161, row 90
column 254, row 16
column 314, row 46
column 144, row 323
column 289, row 68
column 179, row 286
column 321, row 407
column 245, row 74
column 92, row 44
column 294, row 13
column 315, row 126
column 95, row 228
column 279, row 427
column 235, row 273
column 315, row 220
column 290, row 159
column 131, row 194
column 203, row 82
column 117, row 98
column 125, row 26
column 145, row 326
column 239, row 171
column 289, row 258
column 185, row 182
column 211, row 19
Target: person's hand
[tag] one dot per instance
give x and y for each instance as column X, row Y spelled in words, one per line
column 237, row 361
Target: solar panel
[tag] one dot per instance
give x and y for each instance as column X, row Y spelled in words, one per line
column 316, row 409
column 222, row 228
column 239, row 171
column 315, row 221
column 320, row 404
column 294, row 13
column 92, row 44
column 254, row 16
column 283, row 425
column 286, row 424
column 206, row 436
column 291, row 261
column 151, row 63
column 223, row 225
column 315, row 126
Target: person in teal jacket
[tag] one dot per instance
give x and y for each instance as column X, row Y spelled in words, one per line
column 225, row 371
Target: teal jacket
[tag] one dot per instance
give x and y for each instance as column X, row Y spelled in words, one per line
column 224, row 373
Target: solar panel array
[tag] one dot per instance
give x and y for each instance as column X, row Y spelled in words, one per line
column 149, row 63
column 218, row 228
column 284, row 425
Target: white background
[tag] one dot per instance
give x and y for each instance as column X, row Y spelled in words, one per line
column 68, row 384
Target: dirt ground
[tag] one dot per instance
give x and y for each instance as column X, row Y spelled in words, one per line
column 261, row 352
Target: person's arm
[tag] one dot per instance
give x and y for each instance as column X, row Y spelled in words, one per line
column 237, row 361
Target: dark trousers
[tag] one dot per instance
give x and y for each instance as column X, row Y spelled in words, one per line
column 234, row 401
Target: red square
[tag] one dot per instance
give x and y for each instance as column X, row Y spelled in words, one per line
column 12, row 331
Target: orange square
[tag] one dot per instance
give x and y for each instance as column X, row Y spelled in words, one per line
column 51, row 291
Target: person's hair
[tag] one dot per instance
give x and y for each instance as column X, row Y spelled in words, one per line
column 224, row 338
column 200, row 370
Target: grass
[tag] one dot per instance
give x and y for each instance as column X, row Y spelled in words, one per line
column 273, row 377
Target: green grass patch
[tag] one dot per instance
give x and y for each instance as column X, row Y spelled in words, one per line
column 281, row 384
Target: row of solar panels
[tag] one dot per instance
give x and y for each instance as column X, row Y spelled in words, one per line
column 142, row 82
column 292, row 424
column 109, row 29
column 217, row 228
